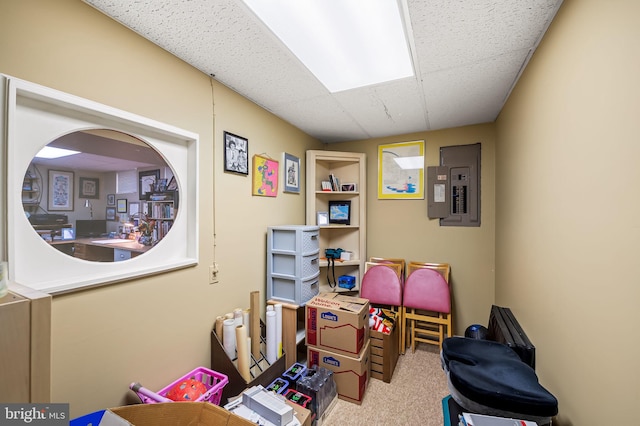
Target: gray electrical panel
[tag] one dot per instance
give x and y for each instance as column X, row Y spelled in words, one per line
column 458, row 175
column 437, row 192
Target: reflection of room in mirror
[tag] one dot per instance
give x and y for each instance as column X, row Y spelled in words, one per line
column 101, row 156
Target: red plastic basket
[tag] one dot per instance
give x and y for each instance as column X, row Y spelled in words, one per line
column 214, row 382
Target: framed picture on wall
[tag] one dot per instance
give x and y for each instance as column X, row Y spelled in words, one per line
column 265, row 176
column 147, row 182
column 122, row 205
column 236, row 154
column 111, row 199
column 89, row 188
column 291, row 173
column 401, row 171
column 60, row 191
column 111, row 213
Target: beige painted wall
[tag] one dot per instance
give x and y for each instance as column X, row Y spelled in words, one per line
column 401, row 228
column 155, row 329
column 561, row 205
column 567, row 204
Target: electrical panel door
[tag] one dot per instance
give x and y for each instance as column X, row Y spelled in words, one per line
column 462, row 165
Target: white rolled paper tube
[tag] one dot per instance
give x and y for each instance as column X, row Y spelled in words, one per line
column 237, row 316
column 246, row 321
column 229, row 337
column 243, row 353
column 272, row 345
column 278, row 308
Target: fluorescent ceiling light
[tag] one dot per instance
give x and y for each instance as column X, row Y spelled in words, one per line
column 410, row 163
column 344, row 43
column 51, row 152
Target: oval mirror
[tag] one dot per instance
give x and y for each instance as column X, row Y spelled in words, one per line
column 100, row 195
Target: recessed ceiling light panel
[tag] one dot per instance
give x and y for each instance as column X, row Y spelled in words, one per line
column 345, row 43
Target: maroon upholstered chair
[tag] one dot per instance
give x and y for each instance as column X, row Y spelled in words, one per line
column 381, row 285
column 427, row 307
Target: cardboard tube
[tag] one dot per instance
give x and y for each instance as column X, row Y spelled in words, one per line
column 219, row 326
column 254, row 332
column 243, row 353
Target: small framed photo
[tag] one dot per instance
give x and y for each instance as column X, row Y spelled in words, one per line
column 291, row 173
column 134, row 208
column 111, row 199
column 122, row 205
column 147, row 183
column 111, row 213
column 340, row 212
column 236, row 154
column 323, row 218
column 161, row 185
column 173, row 184
column 89, row 188
column 349, row 187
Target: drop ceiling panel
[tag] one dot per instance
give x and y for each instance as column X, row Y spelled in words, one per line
column 467, row 55
column 472, row 94
column 449, row 33
column 387, row 109
column 321, row 117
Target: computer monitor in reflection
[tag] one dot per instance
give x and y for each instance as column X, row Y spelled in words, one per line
column 90, row 228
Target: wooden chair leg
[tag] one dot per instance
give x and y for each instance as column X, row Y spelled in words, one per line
column 400, row 330
column 403, row 336
column 413, row 336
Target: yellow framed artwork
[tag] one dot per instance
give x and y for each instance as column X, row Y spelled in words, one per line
column 401, row 171
column 265, row 176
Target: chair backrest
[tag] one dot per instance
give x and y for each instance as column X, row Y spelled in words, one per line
column 381, row 285
column 427, row 289
column 443, row 268
column 397, row 264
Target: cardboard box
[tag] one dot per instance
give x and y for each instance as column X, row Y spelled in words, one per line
column 337, row 323
column 385, row 349
column 220, row 362
column 175, row 414
column 163, row 414
column 350, row 374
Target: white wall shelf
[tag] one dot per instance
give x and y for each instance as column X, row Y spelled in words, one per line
column 349, row 168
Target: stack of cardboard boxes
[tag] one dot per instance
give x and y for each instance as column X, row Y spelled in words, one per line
column 337, row 338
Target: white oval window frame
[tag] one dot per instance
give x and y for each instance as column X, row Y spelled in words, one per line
column 35, row 115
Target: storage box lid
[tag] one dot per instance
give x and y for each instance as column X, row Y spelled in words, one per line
column 339, row 301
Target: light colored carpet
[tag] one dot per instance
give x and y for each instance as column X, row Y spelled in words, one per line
column 414, row 396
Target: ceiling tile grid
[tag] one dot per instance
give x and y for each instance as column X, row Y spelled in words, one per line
column 467, row 55
column 472, row 94
column 388, row 109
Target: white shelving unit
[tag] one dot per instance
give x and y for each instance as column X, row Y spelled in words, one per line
column 348, row 168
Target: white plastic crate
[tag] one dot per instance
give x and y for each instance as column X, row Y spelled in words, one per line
column 295, row 239
column 295, row 266
column 293, row 290
column 293, row 263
